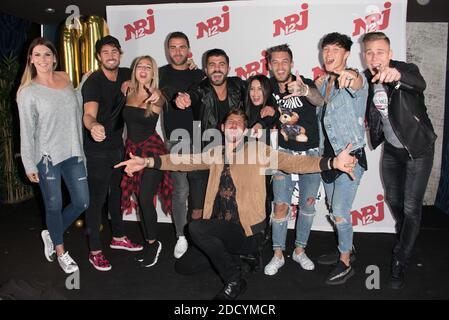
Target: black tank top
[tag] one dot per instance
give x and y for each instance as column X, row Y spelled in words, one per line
column 138, row 126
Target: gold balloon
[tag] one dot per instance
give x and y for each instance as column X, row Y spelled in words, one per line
column 70, row 53
column 94, row 28
column 79, row 223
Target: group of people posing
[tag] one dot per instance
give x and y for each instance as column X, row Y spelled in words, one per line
column 223, row 207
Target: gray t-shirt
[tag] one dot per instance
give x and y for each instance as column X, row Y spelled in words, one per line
column 50, row 125
column 380, row 100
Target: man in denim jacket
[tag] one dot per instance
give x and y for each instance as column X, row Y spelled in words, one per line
column 341, row 122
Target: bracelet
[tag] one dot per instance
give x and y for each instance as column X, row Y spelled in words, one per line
column 147, row 162
column 331, row 162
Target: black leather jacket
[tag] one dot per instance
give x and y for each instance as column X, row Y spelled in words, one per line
column 406, row 111
column 205, row 101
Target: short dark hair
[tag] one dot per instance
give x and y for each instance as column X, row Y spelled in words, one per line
column 178, row 34
column 110, row 40
column 237, row 112
column 216, row 53
column 280, row 48
column 374, row 36
column 338, row 39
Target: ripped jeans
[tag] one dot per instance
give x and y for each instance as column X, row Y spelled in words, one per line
column 340, row 195
column 283, row 187
column 75, row 178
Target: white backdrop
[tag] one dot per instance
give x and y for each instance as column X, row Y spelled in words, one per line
column 244, row 29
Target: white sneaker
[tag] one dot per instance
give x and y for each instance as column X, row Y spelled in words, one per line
column 49, row 248
column 303, row 260
column 274, row 265
column 180, row 247
column 67, row 263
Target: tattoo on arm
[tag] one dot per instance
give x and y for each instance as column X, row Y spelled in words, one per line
column 315, row 97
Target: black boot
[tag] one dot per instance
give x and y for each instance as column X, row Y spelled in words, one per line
column 397, row 275
column 232, row 290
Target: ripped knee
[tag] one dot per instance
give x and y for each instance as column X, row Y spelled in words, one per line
column 338, row 219
column 280, row 213
column 310, row 201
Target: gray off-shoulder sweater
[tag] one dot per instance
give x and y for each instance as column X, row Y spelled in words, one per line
column 50, row 125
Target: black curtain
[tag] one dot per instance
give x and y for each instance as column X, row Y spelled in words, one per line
column 13, row 34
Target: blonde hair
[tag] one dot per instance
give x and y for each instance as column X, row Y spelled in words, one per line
column 30, row 70
column 134, row 87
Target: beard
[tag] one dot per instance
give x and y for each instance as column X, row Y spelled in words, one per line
column 182, row 62
column 111, row 67
column 217, row 82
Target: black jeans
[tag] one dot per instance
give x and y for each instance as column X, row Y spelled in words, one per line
column 148, row 189
column 104, row 183
column 198, row 184
column 218, row 243
column 405, row 182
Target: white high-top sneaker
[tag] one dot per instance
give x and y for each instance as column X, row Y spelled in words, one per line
column 49, row 248
column 67, row 263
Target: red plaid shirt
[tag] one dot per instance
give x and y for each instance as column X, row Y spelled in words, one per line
column 151, row 146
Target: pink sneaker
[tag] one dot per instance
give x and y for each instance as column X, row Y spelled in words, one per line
column 125, row 244
column 99, row 262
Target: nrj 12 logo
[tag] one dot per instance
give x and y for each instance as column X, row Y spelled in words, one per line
column 253, row 68
column 140, row 28
column 369, row 214
column 292, row 23
column 214, row 25
column 374, row 20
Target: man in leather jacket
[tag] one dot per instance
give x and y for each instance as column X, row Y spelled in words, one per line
column 211, row 101
column 397, row 116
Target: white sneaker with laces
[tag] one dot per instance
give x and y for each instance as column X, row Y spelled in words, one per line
column 180, row 247
column 49, row 248
column 67, row 263
column 274, row 265
column 303, row 260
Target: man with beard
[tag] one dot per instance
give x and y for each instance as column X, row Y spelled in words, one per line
column 234, row 210
column 103, row 146
column 175, row 77
column 211, row 101
column 297, row 99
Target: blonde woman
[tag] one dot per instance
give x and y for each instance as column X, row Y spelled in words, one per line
column 144, row 103
column 52, row 146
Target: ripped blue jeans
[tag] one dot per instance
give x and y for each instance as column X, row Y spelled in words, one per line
column 75, row 178
column 340, row 195
column 283, row 187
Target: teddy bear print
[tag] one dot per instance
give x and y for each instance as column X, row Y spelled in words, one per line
column 290, row 129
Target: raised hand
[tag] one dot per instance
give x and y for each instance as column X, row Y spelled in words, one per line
column 297, row 88
column 346, row 78
column 183, row 100
column 386, row 75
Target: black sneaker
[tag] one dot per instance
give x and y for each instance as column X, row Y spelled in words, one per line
column 150, row 254
column 340, row 274
column 397, row 275
column 334, row 257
